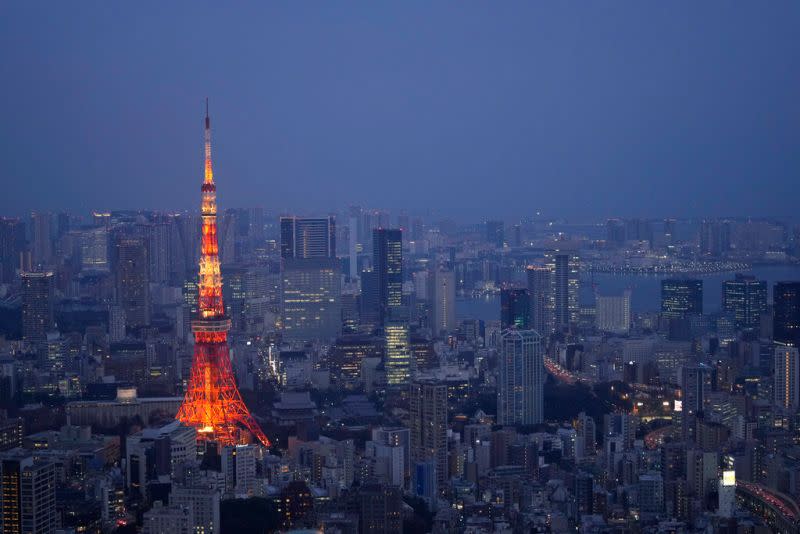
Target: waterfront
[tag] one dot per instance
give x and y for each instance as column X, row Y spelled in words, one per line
column 645, row 290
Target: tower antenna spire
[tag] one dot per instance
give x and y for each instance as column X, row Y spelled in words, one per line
column 213, row 404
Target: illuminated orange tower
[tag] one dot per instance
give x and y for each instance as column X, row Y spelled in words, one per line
column 213, row 404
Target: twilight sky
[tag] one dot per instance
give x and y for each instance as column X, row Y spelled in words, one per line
column 471, row 109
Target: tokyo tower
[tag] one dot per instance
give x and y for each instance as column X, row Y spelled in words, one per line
column 213, row 404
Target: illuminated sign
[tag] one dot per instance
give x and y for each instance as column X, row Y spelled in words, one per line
column 729, row 478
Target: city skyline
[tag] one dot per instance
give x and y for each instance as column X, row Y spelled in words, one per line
column 473, row 268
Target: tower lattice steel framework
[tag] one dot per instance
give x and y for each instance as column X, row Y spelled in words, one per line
column 213, row 404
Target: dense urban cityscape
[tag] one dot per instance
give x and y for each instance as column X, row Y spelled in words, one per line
column 331, row 373
column 460, row 269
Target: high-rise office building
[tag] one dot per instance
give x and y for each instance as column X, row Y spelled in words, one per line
column 28, row 500
column 399, row 437
column 495, row 233
column 12, row 241
column 369, row 310
column 381, row 508
column 311, row 298
column 311, row 283
column 613, row 313
column 42, row 246
column 133, row 279
column 94, row 249
column 540, row 295
column 308, row 237
column 521, row 379
column 443, row 301
column 387, row 259
column 37, row 305
column 715, row 237
column 515, row 308
column 203, row 500
column 787, row 377
column 786, row 324
column 696, row 384
column 681, row 297
column 398, row 359
column 565, row 277
column 745, row 298
column 428, row 420
column 352, row 243
column 159, row 238
column 584, row 493
column 670, row 232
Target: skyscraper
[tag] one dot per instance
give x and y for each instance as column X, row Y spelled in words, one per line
column 515, row 308
column 28, row 495
column 398, row 360
column 428, row 420
column 521, row 380
column 786, row 297
column 370, row 305
column 565, row 268
column 311, row 298
column 681, row 297
column 787, row 377
column 381, row 508
column 308, row 237
column 12, row 237
column 310, row 283
column 745, row 298
column 495, row 234
column 443, row 301
column 42, row 246
column 37, row 305
column 614, row 313
column 387, row 258
column 133, row 279
column 540, row 297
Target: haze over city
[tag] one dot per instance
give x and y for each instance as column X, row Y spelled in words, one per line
column 420, row 267
column 459, row 109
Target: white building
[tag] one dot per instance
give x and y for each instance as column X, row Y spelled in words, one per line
column 614, row 313
column 443, row 297
column 173, row 519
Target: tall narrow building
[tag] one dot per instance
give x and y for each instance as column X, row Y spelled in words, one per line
column 520, row 389
column 213, row 405
column 12, row 239
column 428, row 420
column 28, row 491
column 133, row 279
column 387, row 259
column 515, row 308
column 398, row 359
column 786, row 325
column 787, row 377
column 443, row 301
column 42, row 246
column 745, row 298
column 540, row 297
column 37, row 305
column 565, row 273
